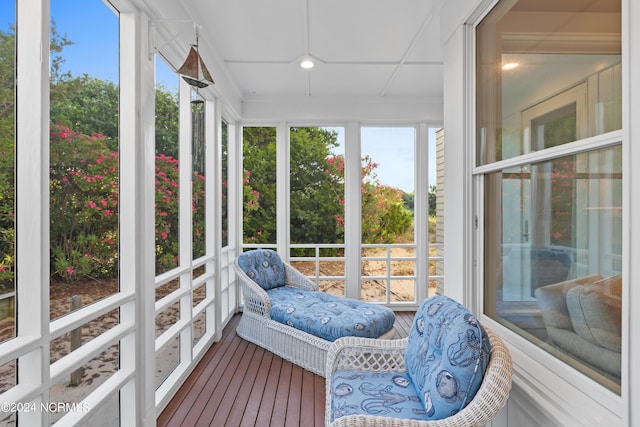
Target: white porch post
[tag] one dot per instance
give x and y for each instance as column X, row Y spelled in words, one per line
column 421, row 211
column 457, row 209
column 213, row 129
column 186, row 217
column 236, row 176
column 282, row 189
column 352, row 209
column 32, row 200
column 137, row 218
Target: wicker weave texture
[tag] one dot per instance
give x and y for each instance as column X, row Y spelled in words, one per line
column 256, row 326
column 292, row 344
column 388, row 355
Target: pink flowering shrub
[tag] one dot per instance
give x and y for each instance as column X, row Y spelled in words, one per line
column 384, row 217
column 166, row 184
column 251, row 204
column 83, row 205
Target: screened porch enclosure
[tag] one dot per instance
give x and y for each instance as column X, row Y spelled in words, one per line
column 127, row 192
column 121, row 225
column 312, row 217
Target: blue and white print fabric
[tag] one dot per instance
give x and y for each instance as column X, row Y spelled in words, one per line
column 264, row 267
column 328, row 316
column 383, row 394
column 446, row 356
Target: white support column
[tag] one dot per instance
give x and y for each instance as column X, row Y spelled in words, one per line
column 186, row 175
column 32, row 198
column 235, row 184
column 456, row 170
column 283, row 168
column 186, row 214
column 353, row 209
column 421, row 211
column 137, row 217
column 234, row 200
column 213, row 129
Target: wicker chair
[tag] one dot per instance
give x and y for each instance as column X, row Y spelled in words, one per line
column 257, row 326
column 375, row 355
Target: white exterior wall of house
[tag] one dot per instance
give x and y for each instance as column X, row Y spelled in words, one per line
column 545, row 392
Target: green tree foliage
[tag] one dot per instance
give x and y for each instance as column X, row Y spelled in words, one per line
column 166, row 122
column 82, row 103
column 259, row 184
column 316, row 196
column 7, row 158
column 409, row 200
column 433, row 199
column 316, row 191
column 87, row 105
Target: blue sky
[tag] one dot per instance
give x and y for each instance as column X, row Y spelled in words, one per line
column 393, row 150
column 93, row 29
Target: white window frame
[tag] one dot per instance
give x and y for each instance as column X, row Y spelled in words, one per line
column 559, row 391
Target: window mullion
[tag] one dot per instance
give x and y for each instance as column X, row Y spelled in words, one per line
column 352, row 210
column 282, row 189
column 421, row 207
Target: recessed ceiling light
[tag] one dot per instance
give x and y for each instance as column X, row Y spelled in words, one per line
column 510, row 66
column 307, row 63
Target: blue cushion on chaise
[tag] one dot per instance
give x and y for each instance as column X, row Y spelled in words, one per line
column 318, row 313
column 328, row 316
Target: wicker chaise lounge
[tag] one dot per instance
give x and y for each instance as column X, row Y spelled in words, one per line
column 449, row 372
column 286, row 314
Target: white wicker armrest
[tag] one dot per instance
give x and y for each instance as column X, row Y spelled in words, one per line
column 256, row 299
column 366, row 354
column 297, row 280
column 490, row 398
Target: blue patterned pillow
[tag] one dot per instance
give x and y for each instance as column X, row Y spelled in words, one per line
column 264, row 267
column 447, row 355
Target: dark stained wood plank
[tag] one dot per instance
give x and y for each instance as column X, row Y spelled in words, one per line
column 319, row 397
column 278, row 416
column 230, row 383
column 307, row 399
column 183, row 401
column 248, row 407
column 215, row 386
column 239, row 384
column 242, row 400
column 271, row 386
column 295, row 394
column 403, row 323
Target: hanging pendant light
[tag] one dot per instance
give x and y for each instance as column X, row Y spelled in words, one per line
column 193, row 70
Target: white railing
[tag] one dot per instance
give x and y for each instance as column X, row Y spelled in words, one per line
column 387, row 257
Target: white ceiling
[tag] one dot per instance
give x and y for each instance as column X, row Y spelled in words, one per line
column 364, row 48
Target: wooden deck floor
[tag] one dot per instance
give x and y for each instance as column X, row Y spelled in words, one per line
column 240, row 384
